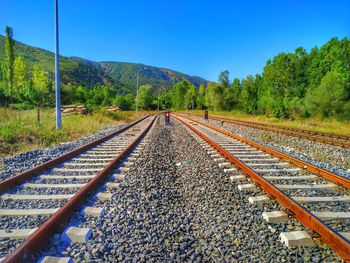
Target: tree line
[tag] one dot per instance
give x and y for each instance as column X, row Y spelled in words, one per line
column 292, row 85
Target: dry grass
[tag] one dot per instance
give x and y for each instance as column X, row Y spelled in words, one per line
column 324, row 125
column 19, row 130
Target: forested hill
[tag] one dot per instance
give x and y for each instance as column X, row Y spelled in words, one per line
column 88, row 73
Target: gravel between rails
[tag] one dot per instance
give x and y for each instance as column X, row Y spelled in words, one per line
column 24, row 161
column 329, row 157
column 165, row 211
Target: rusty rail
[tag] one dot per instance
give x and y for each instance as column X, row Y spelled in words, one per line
column 327, row 234
column 309, row 167
column 28, row 174
column 41, row 235
column 323, row 137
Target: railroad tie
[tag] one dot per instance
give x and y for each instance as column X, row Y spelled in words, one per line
column 110, row 185
column 296, row 177
column 297, row 239
column 251, row 155
column 50, row 259
column 35, row 197
column 16, row 233
column 328, row 215
column 76, row 170
column 315, row 199
column 266, row 164
column 76, row 234
column 290, row 170
column 230, row 170
column 225, row 164
column 259, row 200
column 246, row 187
column 93, row 211
column 259, row 160
column 134, row 154
column 61, row 186
column 306, row 186
column 236, row 178
column 94, row 159
column 98, row 164
column 28, row 212
column 128, row 164
column 124, row 169
column 275, row 217
column 103, row 197
column 63, row 177
column 118, row 177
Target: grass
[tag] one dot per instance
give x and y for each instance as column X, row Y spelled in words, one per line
column 19, row 130
column 323, row 125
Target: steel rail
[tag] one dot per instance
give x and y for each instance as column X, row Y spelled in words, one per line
column 309, row 167
column 41, row 235
column 327, row 234
column 28, row 174
column 326, row 134
column 294, row 132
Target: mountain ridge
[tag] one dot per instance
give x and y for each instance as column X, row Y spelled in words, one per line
column 80, row 71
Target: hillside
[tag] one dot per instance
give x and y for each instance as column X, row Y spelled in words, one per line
column 88, row 73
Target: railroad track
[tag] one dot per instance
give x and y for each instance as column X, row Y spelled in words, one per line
column 340, row 140
column 317, row 198
column 35, row 203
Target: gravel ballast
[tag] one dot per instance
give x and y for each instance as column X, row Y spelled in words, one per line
column 177, row 205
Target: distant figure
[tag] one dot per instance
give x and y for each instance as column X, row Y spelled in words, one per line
column 222, row 123
column 206, row 118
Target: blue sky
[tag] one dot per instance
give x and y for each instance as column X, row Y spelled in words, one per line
column 197, row 37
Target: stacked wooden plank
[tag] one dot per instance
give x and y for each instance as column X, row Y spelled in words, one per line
column 73, row 110
column 112, row 108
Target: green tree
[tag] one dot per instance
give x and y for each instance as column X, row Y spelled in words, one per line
column 21, row 82
column 236, row 92
column 224, row 78
column 201, row 97
column 2, row 84
column 9, row 60
column 190, row 97
column 165, row 100
column 333, row 56
column 80, row 94
column 330, row 98
column 145, row 97
column 249, row 95
column 178, row 92
column 214, row 96
column 40, row 88
column 124, row 102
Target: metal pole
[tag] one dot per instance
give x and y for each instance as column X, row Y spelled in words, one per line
column 57, row 75
column 137, row 91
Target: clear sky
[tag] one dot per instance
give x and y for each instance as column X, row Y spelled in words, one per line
column 197, row 37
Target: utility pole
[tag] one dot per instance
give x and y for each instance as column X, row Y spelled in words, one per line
column 137, row 91
column 57, row 72
column 137, row 88
column 158, row 100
